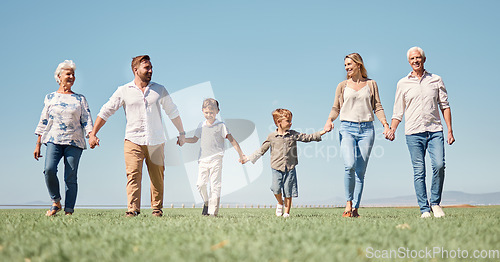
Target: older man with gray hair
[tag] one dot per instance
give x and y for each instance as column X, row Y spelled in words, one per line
column 419, row 96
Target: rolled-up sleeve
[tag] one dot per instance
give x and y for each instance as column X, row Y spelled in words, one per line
column 44, row 118
column 115, row 102
column 168, row 105
column 443, row 96
column 399, row 104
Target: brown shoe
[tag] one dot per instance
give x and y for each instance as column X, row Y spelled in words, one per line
column 131, row 213
column 347, row 214
column 157, row 213
column 355, row 213
column 68, row 213
column 56, row 207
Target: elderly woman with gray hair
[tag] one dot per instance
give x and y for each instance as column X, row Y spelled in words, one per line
column 64, row 123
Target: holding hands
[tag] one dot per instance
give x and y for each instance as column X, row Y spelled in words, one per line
column 243, row 159
column 93, row 140
column 389, row 133
column 329, row 125
column 181, row 140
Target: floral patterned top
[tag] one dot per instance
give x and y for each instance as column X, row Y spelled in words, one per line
column 65, row 120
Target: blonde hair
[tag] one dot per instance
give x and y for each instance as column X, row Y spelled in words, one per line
column 280, row 114
column 415, row 48
column 67, row 64
column 359, row 61
column 210, row 103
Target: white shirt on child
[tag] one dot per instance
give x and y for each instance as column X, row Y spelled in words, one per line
column 212, row 139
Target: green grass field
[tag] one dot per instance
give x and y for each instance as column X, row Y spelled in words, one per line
column 310, row 234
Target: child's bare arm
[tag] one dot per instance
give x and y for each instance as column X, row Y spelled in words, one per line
column 236, row 146
column 191, row 140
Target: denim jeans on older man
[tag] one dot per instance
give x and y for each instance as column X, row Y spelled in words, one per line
column 71, row 156
column 356, row 142
column 418, row 144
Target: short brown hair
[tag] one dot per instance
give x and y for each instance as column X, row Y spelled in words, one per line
column 136, row 61
column 210, row 103
column 280, row 114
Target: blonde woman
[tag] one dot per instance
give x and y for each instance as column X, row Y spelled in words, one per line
column 356, row 101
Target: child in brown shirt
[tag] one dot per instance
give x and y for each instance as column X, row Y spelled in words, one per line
column 283, row 144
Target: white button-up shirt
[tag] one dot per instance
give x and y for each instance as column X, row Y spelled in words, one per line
column 420, row 101
column 142, row 111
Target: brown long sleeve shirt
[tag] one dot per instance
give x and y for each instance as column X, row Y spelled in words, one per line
column 283, row 148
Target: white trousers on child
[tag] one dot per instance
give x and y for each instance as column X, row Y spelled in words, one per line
column 210, row 171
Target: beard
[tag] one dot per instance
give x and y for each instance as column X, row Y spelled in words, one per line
column 146, row 77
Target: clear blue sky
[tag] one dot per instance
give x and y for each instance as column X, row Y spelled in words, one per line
column 258, row 56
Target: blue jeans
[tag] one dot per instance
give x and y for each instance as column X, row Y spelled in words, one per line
column 71, row 156
column 286, row 182
column 417, row 145
column 356, row 142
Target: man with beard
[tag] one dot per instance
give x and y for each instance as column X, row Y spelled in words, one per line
column 142, row 101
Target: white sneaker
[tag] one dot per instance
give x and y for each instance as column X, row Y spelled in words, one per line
column 425, row 215
column 437, row 210
column 279, row 210
column 286, row 215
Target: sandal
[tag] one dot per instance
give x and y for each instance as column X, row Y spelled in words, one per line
column 347, row 214
column 56, row 207
column 157, row 213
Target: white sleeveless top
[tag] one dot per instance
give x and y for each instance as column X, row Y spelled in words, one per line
column 357, row 105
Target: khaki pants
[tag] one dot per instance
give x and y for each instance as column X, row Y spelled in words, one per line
column 134, row 158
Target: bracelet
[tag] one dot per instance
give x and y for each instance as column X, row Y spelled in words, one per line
column 38, row 143
column 183, row 133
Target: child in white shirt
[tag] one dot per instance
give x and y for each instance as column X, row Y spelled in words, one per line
column 212, row 133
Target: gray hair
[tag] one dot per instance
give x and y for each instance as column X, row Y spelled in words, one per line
column 415, row 48
column 67, row 64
